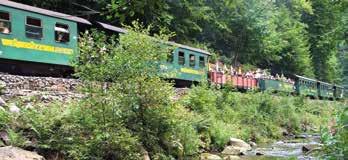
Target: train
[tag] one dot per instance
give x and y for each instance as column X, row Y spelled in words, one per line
column 302, row 86
column 36, row 41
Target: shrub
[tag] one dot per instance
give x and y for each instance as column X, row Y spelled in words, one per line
column 336, row 144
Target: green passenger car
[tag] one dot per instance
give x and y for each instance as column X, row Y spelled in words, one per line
column 305, row 86
column 325, row 90
column 338, row 92
column 275, row 85
column 37, row 35
column 186, row 63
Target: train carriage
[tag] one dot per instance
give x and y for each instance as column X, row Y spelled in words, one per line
column 338, row 92
column 306, row 86
column 275, row 85
column 187, row 63
column 325, row 90
column 31, row 34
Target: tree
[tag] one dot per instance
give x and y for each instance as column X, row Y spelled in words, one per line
column 325, row 32
column 122, row 80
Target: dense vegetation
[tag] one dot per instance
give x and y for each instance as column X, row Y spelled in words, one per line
column 125, row 115
column 288, row 36
column 336, row 145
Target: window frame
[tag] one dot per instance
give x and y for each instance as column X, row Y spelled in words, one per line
column 41, row 27
column 68, row 28
column 183, row 62
column 200, row 60
column 192, row 61
column 9, row 21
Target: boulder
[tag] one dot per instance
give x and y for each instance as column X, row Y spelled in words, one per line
column 239, row 143
column 233, row 150
column 14, row 153
column 231, row 157
column 208, row 156
column 13, row 108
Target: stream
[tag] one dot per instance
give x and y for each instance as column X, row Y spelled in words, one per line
column 290, row 148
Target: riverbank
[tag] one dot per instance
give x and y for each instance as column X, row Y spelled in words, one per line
column 203, row 120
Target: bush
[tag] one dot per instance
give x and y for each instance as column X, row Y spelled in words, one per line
column 336, row 144
column 253, row 116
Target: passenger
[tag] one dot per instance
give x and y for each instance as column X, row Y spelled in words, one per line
column 258, row 74
column 60, row 37
column 4, row 28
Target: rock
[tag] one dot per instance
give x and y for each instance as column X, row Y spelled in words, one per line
column 239, row 143
column 231, row 157
column 252, row 144
column 2, row 102
column 236, row 147
column 4, row 137
column 208, row 156
column 259, row 153
column 13, row 108
column 233, row 150
column 310, row 147
column 14, row 153
column 302, row 136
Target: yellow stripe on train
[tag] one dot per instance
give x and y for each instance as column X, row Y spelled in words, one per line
column 34, row 46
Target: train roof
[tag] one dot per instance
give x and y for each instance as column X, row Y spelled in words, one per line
column 321, row 82
column 306, row 78
column 339, row 86
column 112, row 28
column 121, row 30
column 43, row 11
column 189, row 48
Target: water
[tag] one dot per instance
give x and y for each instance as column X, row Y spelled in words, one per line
column 290, row 148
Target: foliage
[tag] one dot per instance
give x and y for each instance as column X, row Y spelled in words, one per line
column 135, row 89
column 127, row 108
column 326, row 31
column 336, row 143
column 108, row 124
column 253, row 116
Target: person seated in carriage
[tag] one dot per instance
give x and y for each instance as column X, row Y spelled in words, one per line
column 4, row 28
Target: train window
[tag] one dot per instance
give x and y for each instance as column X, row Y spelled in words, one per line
column 61, row 33
column 201, row 62
column 5, row 23
column 192, row 60
column 181, row 56
column 33, row 28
